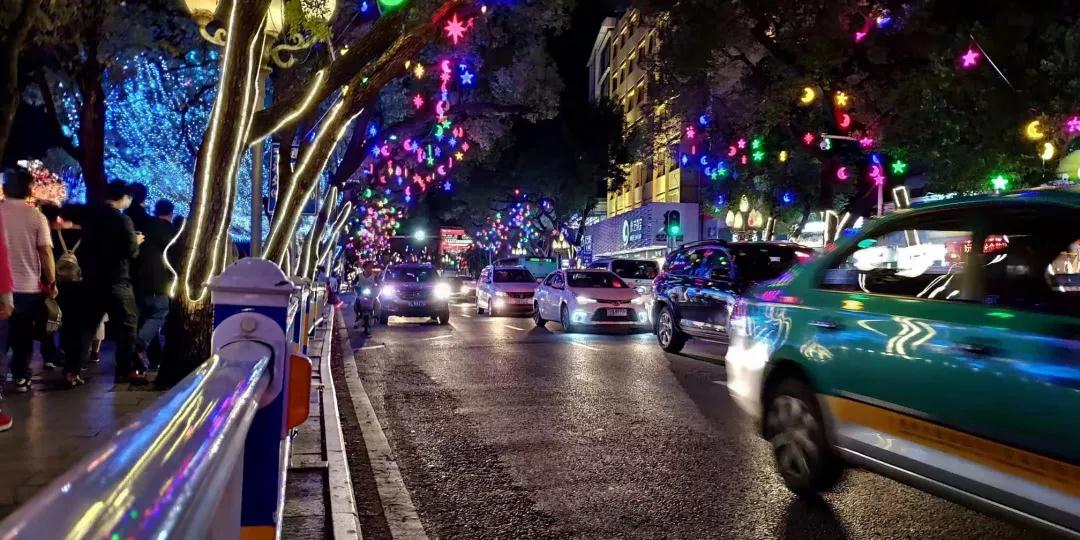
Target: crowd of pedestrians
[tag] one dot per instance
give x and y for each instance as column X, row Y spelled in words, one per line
column 67, row 271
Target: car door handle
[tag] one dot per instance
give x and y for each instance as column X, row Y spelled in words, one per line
column 825, row 325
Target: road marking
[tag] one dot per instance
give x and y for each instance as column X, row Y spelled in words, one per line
column 369, row 347
column 721, row 383
column 514, row 327
column 590, row 347
column 466, row 315
column 438, row 337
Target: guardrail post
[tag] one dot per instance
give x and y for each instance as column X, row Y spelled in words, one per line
column 252, row 303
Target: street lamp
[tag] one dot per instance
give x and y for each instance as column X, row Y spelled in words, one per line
column 281, row 54
column 419, row 235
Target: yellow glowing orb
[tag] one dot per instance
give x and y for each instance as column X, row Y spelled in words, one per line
column 1032, row 130
column 783, row 156
column 1047, row 151
column 808, row 96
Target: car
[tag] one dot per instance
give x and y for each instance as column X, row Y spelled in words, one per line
column 412, row 290
column 702, row 281
column 505, row 290
column 638, row 273
column 462, row 287
column 539, row 267
column 578, row 298
column 939, row 346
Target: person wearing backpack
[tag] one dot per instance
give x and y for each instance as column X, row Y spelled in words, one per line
column 152, row 278
column 67, row 239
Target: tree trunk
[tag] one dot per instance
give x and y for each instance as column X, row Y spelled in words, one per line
column 10, row 48
column 187, row 334
column 92, row 130
column 311, row 243
column 206, row 234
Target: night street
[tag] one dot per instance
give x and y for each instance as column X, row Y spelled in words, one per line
column 503, row 430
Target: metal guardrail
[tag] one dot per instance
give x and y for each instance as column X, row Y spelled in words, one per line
column 170, row 473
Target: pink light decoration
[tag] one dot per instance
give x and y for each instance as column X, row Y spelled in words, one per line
column 732, row 151
column 458, row 132
column 418, row 101
column 808, row 138
column 741, row 143
column 744, row 159
column 465, row 146
column 845, row 120
column 441, row 170
column 866, row 142
column 877, row 173
column 440, row 108
column 408, row 145
column 842, row 174
column 456, row 28
column 385, row 150
column 970, row 59
column 1072, row 125
column 859, row 36
column 690, row 132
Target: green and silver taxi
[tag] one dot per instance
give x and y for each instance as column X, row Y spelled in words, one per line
column 939, row 346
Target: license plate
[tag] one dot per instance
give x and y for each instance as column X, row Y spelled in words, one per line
column 519, row 300
column 417, row 303
column 616, row 313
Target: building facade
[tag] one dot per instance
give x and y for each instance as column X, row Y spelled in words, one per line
column 619, row 71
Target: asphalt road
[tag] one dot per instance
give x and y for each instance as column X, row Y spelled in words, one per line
column 504, row 430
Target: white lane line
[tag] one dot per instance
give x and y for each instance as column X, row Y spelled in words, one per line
column 438, row 337
column 590, row 347
column 369, row 347
column 514, row 327
column 466, row 315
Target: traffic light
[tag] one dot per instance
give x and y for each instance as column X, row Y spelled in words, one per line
column 673, row 223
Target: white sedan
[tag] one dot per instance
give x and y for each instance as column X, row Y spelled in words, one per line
column 578, row 298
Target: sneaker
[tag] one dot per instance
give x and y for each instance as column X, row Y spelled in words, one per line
column 50, row 366
column 5, row 422
column 22, row 386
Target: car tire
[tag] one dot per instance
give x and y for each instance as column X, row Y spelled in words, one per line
column 444, row 318
column 667, row 334
column 795, row 429
column 564, row 320
column 479, row 310
column 540, row 322
column 490, row 308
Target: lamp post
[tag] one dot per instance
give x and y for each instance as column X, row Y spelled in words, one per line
column 281, row 55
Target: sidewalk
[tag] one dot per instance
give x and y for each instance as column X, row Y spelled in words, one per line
column 54, row 427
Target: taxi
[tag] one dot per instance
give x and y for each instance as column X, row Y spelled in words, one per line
column 939, row 346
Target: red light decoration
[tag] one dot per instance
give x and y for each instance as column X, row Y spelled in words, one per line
column 808, row 138
column 842, row 174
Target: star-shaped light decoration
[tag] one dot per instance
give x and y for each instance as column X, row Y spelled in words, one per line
column 690, row 132
column 418, row 101
column 808, row 138
column 418, row 71
column 841, row 99
column 467, row 78
column 459, row 156
column 1072, row 125
column 455, row 29
column 899, row 167
column 970, row 59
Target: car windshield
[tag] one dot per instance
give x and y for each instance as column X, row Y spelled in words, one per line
column 595, row 280
column 513, row 276
column 410, row 275
column 764, row 262
column 635, row 269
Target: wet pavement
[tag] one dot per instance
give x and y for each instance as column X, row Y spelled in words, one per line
column 503, row 430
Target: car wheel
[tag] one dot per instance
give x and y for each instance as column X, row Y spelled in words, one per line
column 564, row 320
column 490, row 308
column 794, row 428
column 479, row 310
column 444, row 318
column 540, row 322
column 669, row 337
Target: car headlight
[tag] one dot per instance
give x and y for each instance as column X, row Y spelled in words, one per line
column 501, row 294
column 642, row 289
column 366, row 291
column 464, row 289
column 442, row 291
column 388, row 291
column 637, row 300
column 585, row 300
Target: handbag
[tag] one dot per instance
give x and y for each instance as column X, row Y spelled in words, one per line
column 53, row 315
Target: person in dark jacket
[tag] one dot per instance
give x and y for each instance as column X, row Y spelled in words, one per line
column 152, row 277
column 137, row 210
column 67, row 237
column 110, row 245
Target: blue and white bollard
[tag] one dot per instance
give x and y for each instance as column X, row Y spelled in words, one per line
column 252, row 301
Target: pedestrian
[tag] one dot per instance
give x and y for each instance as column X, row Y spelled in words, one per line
column 137, row 210
column 30, row 254
column 7, row 306
column 152, row 278
column 110, row 245
column 67, row 244
column 50, row 353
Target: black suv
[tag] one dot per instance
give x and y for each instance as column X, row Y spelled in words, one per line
column 701, row 282
column 412, row 290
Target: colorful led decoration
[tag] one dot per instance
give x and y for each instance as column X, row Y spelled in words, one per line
column 841, row 99
column 456, row 29
column 842, row 174
column 808, row 138
column 999, row 182
column 1033, row 130
column 970, row 59
column 418, row 101
column 1072, row 125
column 808, row 96
column 899, row 167
column 1047, row 152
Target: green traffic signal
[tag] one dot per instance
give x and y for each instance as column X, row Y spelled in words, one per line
column 674, row 229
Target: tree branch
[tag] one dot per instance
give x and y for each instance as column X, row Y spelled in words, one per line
column 50, row 107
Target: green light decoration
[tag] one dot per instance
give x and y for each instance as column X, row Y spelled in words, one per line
column 867, row 243
column 388, row 5
column 758, row 156
column 757, row 143
column 1000, row 314
column 999, row 182
column 899, row 167
column 368, row 193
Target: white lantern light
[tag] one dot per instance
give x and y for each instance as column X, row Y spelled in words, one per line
column 201, row 10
